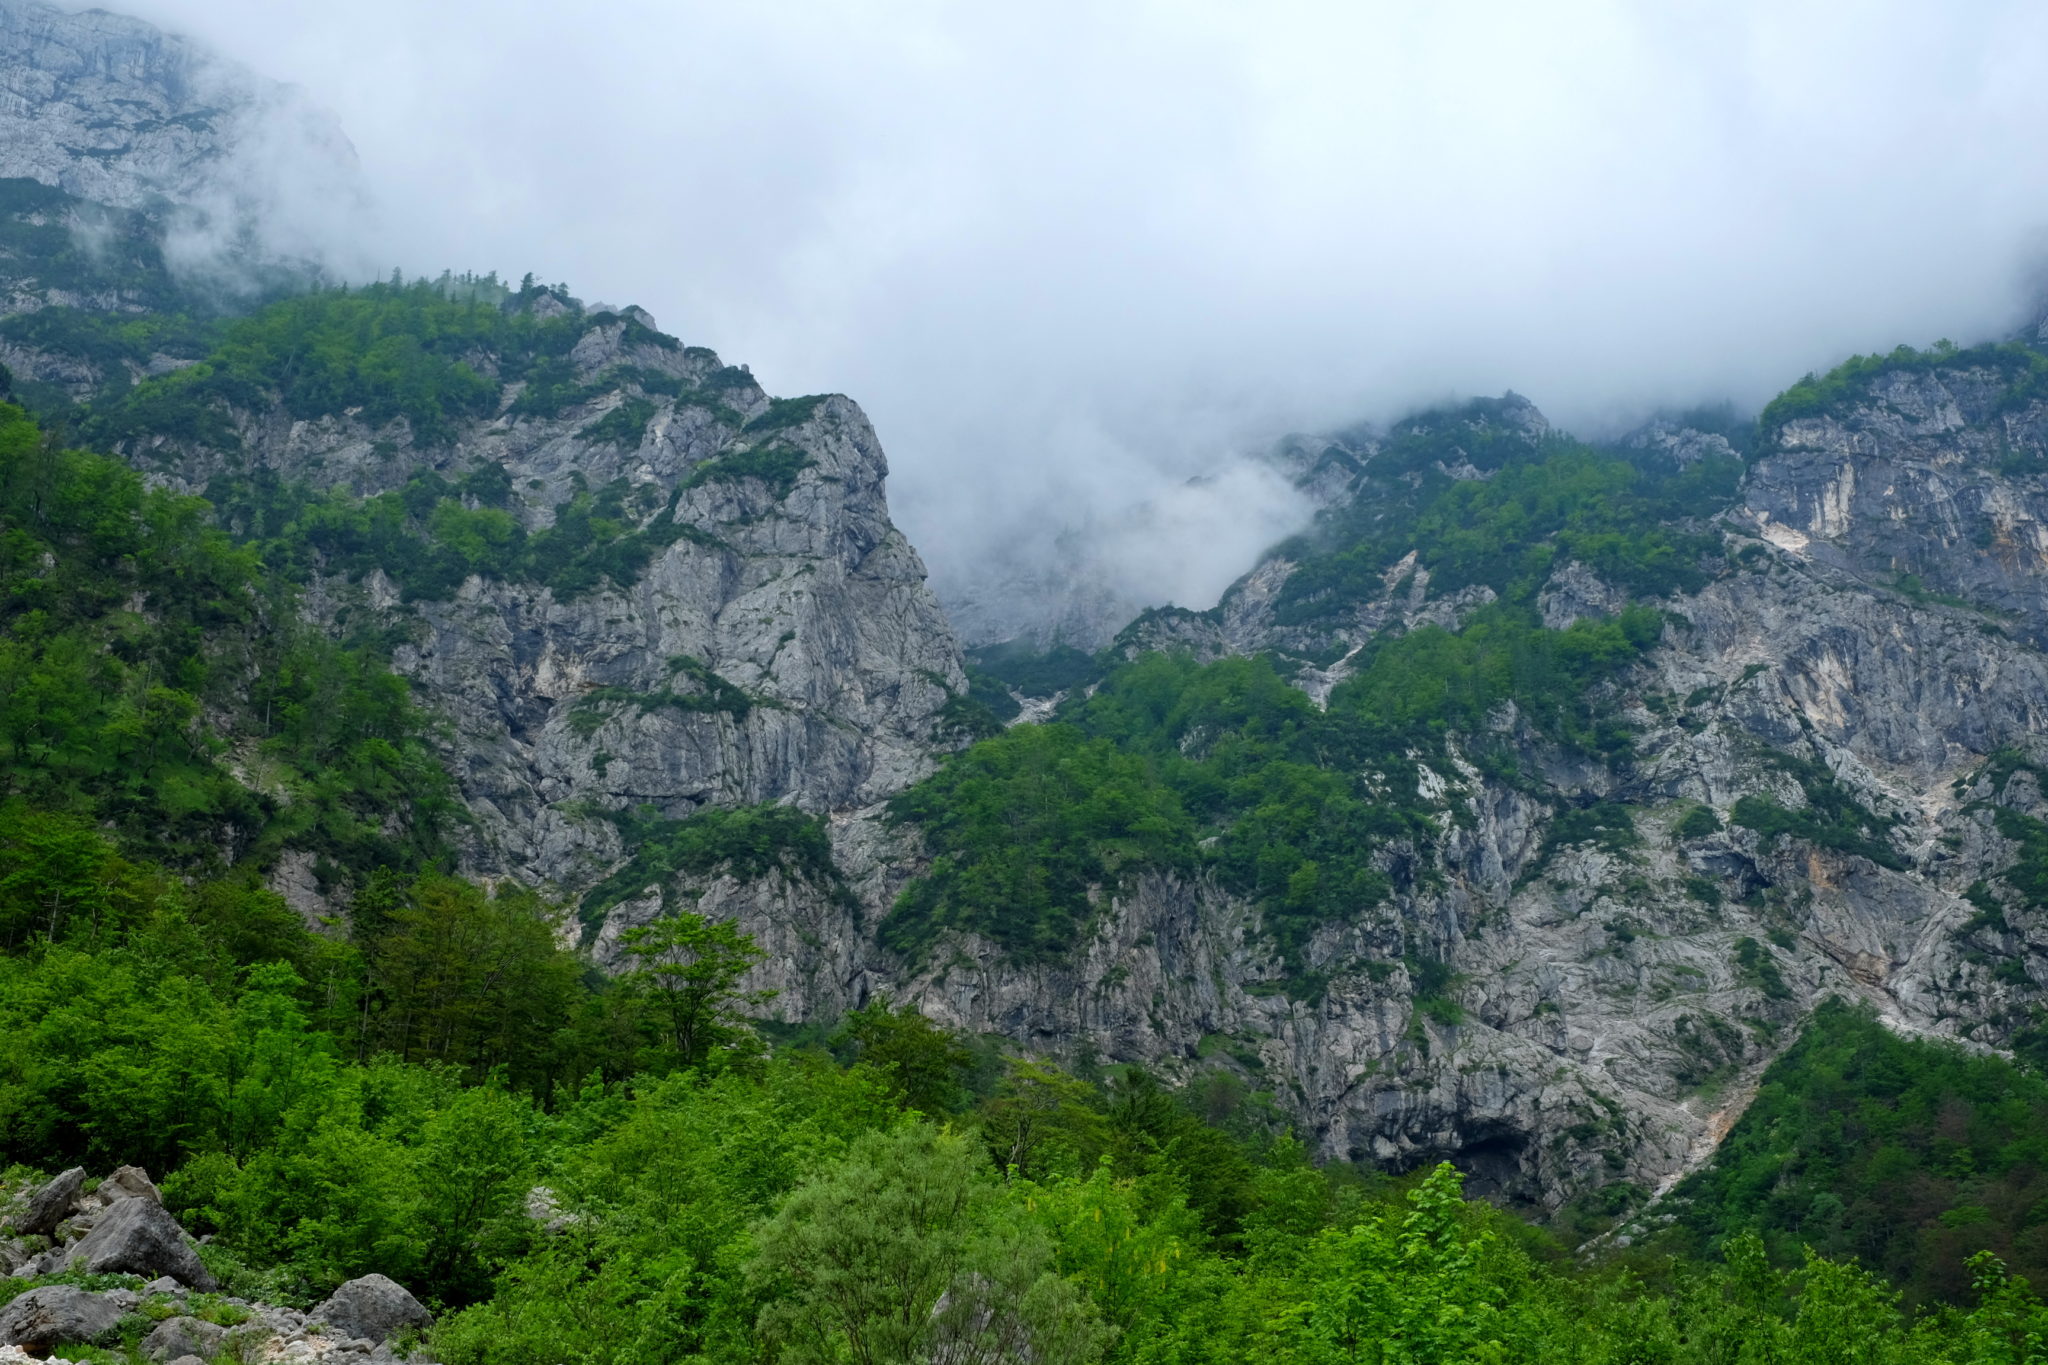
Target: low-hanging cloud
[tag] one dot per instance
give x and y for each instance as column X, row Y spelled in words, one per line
column 1069, row 255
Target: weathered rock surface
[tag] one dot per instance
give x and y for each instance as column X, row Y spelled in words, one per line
column 1875, row 631
column 1936, row 476
column 52, row 1203
column 566, row 708
column 127, row 1182
column 373, row 1308
column 136, row 1237
column 57, row 1314
column 116, row 111
column 1612, row 1002
column 183, row 1336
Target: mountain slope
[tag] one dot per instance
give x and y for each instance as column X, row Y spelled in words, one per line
column 1632, row 884
column 1514, row 814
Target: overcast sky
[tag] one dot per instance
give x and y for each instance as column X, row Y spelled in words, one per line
column 1067, row 255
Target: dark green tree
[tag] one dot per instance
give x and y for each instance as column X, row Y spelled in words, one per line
column 926, row 1064
column 686, row 971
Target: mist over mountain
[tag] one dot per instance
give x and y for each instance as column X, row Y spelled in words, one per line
column 510, row 853
column 121, row 114
column 1072, row 259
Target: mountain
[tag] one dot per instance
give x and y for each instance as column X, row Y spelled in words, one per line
column 1683, row 742
column 1517, row 813
column 117, row 113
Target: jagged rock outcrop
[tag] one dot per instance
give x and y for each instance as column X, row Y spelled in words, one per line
column 1612, row 1000
column 1938, row 477
column 781, row 647
column 134, row 1237
column 777, row 643
column 51, row 1203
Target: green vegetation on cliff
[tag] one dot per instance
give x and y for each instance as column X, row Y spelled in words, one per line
column 153, row 678
column 54, row 241
column 1543, row 501
column 574, row 1168
column 1171, row 766
column 386, row 351
column 1909, row 1156
column 431, row 535
column 2022, row 370
column 749, row 843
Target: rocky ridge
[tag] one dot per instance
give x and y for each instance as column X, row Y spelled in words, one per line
column 780, row 646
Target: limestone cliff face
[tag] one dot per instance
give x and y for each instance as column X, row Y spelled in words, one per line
column 778, row 646
column 1938, row 476
column 1872, row 635
column 1615, row 1003
column 119, row 113
column 783, row 647
column 142, row 173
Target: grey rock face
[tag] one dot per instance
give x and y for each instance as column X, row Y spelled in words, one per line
column 182, row 1336
column 115, row 111
column 57, row 1314
column 136, row 1237
column 1606, row 1008
column 1574, row 593
column 127, row 1182
column 51, row 1204
column 372, row 1308
column 1935, row 476
column 564, row 707
column 1613, row 1008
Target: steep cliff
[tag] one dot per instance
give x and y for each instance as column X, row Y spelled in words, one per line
column 1826, row 787
column 632, row 584
column 1517, row 812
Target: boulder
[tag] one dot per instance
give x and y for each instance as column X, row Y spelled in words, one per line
column 57, row 1313
column 372, row 1308
column 49, row 1205
column 127, row 1182
column 137, row 1237
column 176, row 1337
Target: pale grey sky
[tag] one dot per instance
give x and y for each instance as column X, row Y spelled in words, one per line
column 1068, row 254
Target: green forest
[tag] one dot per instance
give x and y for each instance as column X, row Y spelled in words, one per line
column 388, row 1099
column 570, row 1167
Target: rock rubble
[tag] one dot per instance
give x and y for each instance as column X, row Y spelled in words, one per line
column 171, row 1303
